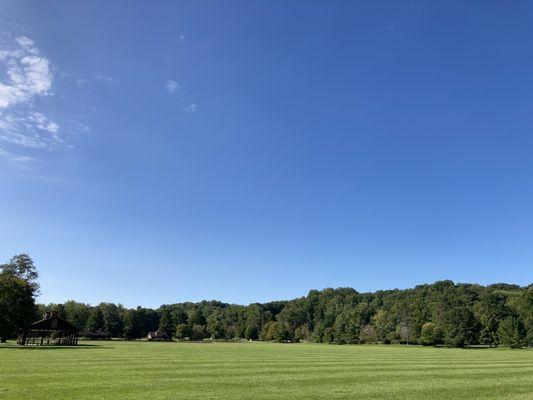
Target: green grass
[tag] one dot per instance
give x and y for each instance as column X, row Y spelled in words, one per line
column 122, row 370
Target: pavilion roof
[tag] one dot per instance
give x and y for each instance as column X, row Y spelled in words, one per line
column 52, row 322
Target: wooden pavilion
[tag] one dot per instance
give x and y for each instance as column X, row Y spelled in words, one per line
column 51, row 330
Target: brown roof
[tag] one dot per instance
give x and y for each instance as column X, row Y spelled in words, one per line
column 51, row 322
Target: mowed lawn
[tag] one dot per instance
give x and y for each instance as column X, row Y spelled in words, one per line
column 125, row 370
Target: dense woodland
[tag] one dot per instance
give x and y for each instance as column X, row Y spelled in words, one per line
column 442, row 313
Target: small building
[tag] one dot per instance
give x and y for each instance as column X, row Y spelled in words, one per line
column 51, row 330
column 97, row 334
column 157, row 336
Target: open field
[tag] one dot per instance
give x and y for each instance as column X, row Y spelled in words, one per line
column 124, row 370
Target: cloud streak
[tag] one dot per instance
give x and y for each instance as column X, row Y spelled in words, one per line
column 18, row 162
column 105, row 78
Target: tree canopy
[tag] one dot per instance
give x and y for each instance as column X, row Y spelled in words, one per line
column 442, row 313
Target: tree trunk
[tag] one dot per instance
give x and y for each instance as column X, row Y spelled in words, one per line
column 3, row 340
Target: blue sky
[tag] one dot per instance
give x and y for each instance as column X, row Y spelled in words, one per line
column 251, row 151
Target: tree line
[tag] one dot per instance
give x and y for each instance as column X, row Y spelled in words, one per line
column 442, row 313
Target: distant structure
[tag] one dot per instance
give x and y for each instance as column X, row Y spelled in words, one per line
column 97, row 334
column 51, row 330
column 157, row 336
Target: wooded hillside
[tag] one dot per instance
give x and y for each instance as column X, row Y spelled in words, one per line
column 457, row 315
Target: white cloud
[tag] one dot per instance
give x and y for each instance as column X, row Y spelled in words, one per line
column 190, row 108
column 29, row 129
column 40, row 121
column 26, row 77
column 173, row 86
column 105, row 78
column 24, row 41
column 28, row 73
column 81, row 82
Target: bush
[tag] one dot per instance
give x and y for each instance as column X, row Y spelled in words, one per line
column 430, row 334
column 368, row 334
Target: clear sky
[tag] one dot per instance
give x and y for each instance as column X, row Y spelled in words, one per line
column 156, row 152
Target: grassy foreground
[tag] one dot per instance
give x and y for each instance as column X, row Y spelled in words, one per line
column 122, row 370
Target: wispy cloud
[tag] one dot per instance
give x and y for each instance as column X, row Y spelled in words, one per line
column 173, row 86
column 191, row 108
column 78, row 127
column 19, row 162
column 26, row 78
column 176, row 88
column 29, row 129
column 105, row 78
column 26, row 43
column 42, row 122
column 80, row 82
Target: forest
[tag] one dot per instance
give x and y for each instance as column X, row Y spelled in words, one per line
column 442, row 313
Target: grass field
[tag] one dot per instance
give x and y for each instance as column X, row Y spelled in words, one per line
column 122, row 370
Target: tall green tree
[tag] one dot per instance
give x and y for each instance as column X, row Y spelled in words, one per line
column 511, row 333
column 113, row 322
column 77, row 313
column 17, row 305
column 460, row 327
column 166, row 325
column 18, row 288
column 22, row 266
column 489, row 311
column 525, row 311
column 96, row 320
column 131, row 324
